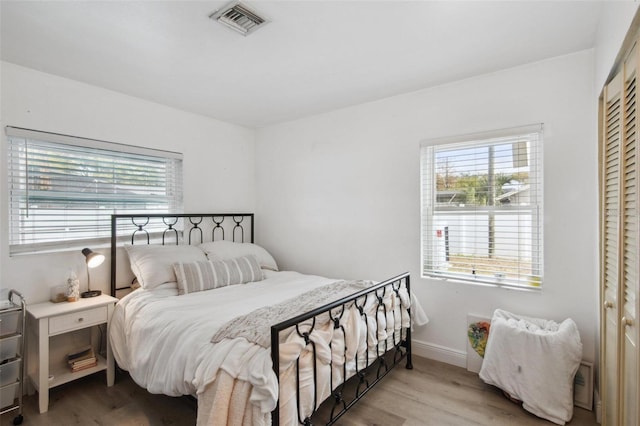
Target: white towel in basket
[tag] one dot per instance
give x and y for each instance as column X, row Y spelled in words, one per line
column 534, row 361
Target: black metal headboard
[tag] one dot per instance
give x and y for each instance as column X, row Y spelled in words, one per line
column 185, row 229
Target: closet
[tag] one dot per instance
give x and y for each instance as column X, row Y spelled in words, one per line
column 619, row 288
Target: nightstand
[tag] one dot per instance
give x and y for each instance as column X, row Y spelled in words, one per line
column 48, row 368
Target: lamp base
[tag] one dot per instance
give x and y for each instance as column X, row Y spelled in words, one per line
column 90, row 293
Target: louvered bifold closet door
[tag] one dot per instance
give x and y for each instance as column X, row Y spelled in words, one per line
column 629, row 245
column 620, row 371
column 609, row 201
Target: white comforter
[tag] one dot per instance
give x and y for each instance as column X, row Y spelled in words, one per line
column 165, row 342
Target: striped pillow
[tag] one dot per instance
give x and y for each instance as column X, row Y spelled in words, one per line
column 199, row 276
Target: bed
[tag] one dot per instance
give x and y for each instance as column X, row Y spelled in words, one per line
column 215, row 318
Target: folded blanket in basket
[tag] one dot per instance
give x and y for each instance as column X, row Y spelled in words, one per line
column 534, row 361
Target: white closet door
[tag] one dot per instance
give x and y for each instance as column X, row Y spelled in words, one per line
column 620, row 333
column 610, row 200
column 629, row 244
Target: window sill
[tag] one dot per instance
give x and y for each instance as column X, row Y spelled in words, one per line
column 478, row 283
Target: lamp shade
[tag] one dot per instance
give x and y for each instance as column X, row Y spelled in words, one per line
column 92, row 259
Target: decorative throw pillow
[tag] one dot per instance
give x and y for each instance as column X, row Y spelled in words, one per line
column 199, row 276
column 153, row 264
column 223, row 250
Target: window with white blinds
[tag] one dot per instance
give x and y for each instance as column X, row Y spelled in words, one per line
column 63, row 189
column 482, row 208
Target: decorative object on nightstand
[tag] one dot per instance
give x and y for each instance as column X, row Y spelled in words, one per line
column 92, row 260
column 58, row 294
column 73, row 286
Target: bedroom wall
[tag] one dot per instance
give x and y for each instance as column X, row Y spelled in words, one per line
column 219, row 173
column 339, row 193
column 614, row 23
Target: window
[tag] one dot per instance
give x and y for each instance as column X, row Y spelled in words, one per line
column 482, row 208
column 63, row 189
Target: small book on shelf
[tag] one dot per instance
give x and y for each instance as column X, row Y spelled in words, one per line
column 82, row 358
column 75, row 368
column 84, row 352
column 84, row 362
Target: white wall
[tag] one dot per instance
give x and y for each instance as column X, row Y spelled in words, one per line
column 614, row 23
column 219, row 172
column 338, row 193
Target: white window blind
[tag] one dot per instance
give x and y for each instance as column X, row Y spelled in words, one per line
column 482, row 208
column 63, row 189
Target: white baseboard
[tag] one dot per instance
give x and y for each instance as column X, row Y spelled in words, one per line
column 439, row 353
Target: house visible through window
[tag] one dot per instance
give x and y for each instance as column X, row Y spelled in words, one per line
column 63, row 189
column 482, row 208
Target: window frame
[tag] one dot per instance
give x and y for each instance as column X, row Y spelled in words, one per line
column 125, row 159
column 430, row 208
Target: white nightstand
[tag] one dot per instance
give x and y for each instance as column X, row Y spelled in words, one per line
column 52, row 319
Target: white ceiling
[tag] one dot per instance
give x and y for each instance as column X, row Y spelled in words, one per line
column 313, row 56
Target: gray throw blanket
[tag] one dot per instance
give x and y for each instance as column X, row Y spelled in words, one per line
column 256, row 326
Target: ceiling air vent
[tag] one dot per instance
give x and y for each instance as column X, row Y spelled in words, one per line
column 239, row 17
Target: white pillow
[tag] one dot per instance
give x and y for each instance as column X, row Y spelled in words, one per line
column 153, row 264
column 223, row 250
column 200, row 276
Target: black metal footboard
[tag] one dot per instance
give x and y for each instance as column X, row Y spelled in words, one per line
column 388, row 352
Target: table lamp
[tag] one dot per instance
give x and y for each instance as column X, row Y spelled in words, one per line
column 92, row 259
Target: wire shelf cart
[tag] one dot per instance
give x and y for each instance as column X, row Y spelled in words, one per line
column 12, row 329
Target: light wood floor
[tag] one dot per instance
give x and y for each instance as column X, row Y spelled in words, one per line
column 432, row 393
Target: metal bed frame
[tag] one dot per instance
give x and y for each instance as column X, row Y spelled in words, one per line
column 198, row 228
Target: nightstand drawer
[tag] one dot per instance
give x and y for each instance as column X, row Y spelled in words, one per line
column 77, row 320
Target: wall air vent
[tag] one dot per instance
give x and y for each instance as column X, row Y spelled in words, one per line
column 239, row 18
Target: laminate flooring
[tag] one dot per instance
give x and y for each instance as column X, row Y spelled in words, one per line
column 433, row 393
